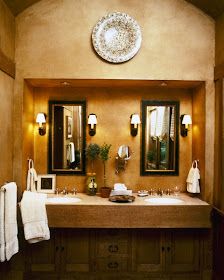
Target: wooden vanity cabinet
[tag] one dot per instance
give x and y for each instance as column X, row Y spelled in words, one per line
column 169, row 252
column 165, row 254
column 67, row 251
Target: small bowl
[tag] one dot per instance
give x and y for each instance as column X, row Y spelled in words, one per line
column 143, row 193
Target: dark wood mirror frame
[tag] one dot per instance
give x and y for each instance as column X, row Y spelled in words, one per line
column 143, row 170
column 51, row 169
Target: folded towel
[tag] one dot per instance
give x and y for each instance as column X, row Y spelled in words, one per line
column 193, row 179
column 120, row 187
column 34, row 217
column 8, row 225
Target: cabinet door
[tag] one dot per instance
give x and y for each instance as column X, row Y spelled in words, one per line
column 75, row 250
column 183, row 250
column 148, row 250
column 43, row 256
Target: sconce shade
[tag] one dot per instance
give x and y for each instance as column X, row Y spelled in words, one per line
column 187, row 119
column 92, row 121
column 40, row 118
column 135, row 121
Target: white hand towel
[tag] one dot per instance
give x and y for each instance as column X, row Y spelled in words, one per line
column 2, row 225
column 9, row 222
column 193, row 179
column 34, row 217
column 71, row 152
column 31, row 177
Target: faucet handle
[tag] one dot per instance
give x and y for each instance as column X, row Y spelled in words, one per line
column 74, row 191
column 168, row 191
column 56, row 191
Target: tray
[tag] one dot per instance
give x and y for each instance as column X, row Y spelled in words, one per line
column 121, row 198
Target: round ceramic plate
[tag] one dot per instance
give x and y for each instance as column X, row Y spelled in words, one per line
column 116, row 37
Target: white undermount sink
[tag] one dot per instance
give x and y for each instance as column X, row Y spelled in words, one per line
column 62, row 200
column 164, row 200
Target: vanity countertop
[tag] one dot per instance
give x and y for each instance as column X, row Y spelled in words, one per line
column 97, row 212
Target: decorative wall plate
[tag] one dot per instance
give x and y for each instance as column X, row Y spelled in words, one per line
column 116, row 37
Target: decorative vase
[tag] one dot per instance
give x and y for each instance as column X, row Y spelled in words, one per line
column 91, row 186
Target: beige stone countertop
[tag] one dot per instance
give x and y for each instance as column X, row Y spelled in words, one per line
column 187, row 200
column 97, row 212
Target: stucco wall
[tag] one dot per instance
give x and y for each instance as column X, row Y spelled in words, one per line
column 53, row 40
column 7, row 33
column 219, row 40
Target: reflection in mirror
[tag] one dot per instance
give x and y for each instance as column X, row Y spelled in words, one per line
column 67, row 137
column 123, row 155
column 160, row 143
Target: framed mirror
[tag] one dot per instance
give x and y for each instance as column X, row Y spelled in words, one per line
column 160, row 138
column 67, row 120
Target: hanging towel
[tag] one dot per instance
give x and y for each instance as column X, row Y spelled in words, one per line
column 71, row 152
column 9, row 244
column 34, row 217
column 31, row 177
column 193, row 179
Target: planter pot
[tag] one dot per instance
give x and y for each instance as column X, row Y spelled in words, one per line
column 105, row 192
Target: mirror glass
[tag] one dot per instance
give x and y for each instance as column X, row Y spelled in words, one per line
column 160, row 144
column 123, row 155
column 67, row 137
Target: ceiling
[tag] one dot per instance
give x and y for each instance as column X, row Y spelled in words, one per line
column 214, row 8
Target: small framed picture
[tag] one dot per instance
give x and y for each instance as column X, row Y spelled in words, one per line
column 46, row 183
column 68, row 127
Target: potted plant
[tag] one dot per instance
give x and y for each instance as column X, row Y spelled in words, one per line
column 92, row 153
column 104, row 156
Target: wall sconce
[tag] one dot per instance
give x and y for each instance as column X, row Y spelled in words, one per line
column 185, row 121
column 41, row 119
column 135, row 121
column 92, row 121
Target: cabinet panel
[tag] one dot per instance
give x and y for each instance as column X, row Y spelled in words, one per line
column 148, row 250
column 183, row 251
column 43, row 256
column 75, row 250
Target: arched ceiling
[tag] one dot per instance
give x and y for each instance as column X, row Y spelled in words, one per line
column 213, row 8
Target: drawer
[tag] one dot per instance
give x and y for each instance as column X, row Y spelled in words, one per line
column 112, row 248
column 112, row 264
column 112, row 234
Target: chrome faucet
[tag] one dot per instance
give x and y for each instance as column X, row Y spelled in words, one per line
column 74, row 191
column 159, row 192
column 65, row 191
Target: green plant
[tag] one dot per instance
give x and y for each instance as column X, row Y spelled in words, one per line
column 104, row 156
column 150, row 156
column 92, row 153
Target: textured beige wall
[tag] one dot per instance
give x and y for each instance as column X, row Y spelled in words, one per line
column 113, row 116
column 53, row 40
column 219, row 40
column 7, row 33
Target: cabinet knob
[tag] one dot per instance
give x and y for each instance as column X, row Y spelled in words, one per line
column 163, row 249
column 113, row 248
column 168, row 249
column 113, row 265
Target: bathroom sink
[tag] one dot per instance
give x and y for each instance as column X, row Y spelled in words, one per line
column 63, row 200
column 164, row 200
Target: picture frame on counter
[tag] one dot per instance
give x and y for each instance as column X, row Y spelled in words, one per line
column 46, row 183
